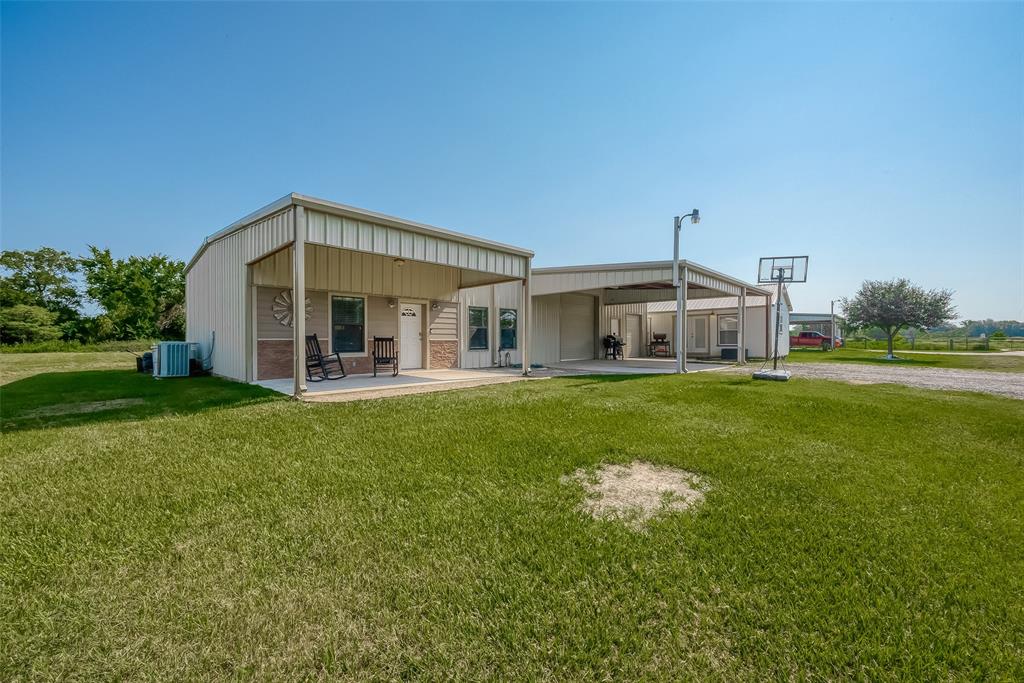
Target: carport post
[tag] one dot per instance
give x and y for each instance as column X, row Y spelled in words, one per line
column 741, row 319
column 299, row 301
column 527, row 312
column 681, row 322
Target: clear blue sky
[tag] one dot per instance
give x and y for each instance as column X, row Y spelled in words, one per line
column 883, row 140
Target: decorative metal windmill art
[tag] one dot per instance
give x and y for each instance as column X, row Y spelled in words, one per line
column 284, row 311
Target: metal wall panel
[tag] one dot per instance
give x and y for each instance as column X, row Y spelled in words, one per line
column 483, row 297
column 620, row 311
column 443, row 322
column 268, row 327
column 576, row 327
column 544, row 347
column 662, row 322
column 215, row 296
column 573, row 281
column 494, row 298
column 340, row 270
column 348, row 233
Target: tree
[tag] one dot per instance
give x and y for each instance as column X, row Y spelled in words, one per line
column 892, row 305
column 41, row 278
column 142, row 296
column 22, row 323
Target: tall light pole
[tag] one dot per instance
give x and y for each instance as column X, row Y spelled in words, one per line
column 680, row 285
column 832, row 315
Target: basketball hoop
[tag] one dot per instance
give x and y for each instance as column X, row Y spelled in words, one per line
column 778, row 270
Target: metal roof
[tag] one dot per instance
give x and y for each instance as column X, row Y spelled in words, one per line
column 795, row 318
column 716, row 302
column 649, row 266
column 326, row 206
column 708, row 304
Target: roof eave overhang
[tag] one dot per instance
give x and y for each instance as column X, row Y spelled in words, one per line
column 651, row 265
column 325, row 206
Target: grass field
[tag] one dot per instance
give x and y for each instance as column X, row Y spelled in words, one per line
column 987, row 361
column 846, row 533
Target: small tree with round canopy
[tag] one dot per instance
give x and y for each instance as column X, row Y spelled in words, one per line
column 892, row 305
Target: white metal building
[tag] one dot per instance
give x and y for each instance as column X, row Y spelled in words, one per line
column 361, row 274
column 449, row 299
column 575, row 307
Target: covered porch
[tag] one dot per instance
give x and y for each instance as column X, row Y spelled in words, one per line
column 361, row 275
column 585, row 304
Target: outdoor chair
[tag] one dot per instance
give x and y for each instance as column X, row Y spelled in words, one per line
column 385, row 355
column 319, row 366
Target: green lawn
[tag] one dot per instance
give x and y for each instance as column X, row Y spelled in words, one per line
column 850, row 531
column 15, row 366
column 989, row 361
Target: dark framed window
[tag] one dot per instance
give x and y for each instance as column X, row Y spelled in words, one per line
column 348, row 324
column 728, row 334
column 477, row 328
column 508, row 322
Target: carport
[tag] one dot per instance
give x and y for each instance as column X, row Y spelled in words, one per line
column 575, row 307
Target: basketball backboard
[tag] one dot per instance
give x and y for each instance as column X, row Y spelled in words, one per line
column 783, row 269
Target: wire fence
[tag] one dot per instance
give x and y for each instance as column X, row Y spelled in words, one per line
column 943, row 344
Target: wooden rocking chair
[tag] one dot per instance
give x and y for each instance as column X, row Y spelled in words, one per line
column 319, row 366
column 385, row 354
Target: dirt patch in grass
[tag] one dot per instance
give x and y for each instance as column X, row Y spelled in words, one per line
column 80, row 408
column 638, row 492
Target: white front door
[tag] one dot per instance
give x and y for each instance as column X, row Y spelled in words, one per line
column 410, row 351
column 697, row 335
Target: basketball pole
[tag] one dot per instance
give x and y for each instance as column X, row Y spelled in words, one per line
column 778, row 323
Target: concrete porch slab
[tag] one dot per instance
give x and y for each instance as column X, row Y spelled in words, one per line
column 361, row 387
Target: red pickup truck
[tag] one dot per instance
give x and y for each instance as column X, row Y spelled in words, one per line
column 816, row 339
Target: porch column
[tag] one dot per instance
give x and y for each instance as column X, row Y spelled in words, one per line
column 299, row 301
column 741, row 323
column 527, row 314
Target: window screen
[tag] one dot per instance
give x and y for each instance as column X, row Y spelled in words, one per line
column 477, row 328
column 348, row 324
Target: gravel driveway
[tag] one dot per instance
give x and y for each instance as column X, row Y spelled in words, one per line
column 999, row 383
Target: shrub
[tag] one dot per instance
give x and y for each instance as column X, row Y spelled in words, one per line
column 58, row 346
column 24, row 323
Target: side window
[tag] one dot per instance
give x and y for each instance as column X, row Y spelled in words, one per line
column 477, row 328
column 727, row 330
column 508, row 319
